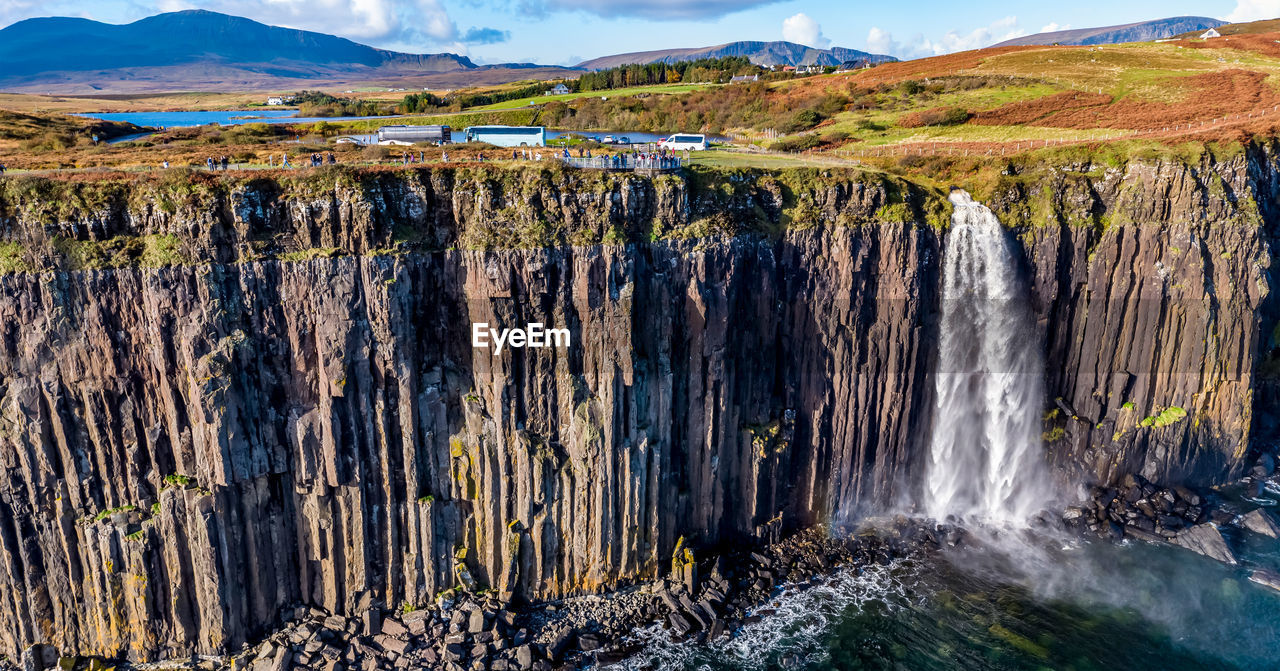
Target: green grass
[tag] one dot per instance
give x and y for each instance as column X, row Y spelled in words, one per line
column 872, row 128
column 312, row 253
column 538, row 100
column 11, row 258
column 179, row 480
column 149, row 251
column 455, row 120
column 160, row 251
column 111, row 511
column 1170, row 415
column 716, row 158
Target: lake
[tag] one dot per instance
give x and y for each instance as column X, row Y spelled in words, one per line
column 224, row 118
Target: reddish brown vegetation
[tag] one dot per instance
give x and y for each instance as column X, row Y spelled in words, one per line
column 1031, row 112
column 1264, row 43
column 937, row 116
column 1207, row 96
column 936, row 66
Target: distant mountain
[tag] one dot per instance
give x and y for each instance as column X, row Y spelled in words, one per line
column 201, row 50
column 760, row 53
column 1143, row 31
column 1250, row 28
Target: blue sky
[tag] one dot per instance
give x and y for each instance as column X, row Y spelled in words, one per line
column 568, row 31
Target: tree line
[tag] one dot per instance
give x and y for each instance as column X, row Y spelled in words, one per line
column 701, row 70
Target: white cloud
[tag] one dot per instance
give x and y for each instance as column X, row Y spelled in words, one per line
column 1054, row 27
column 1254, row 10
column 1004, row 29
column 804, row 30
column 881, row 42
column 648, row 9
column 383, row 22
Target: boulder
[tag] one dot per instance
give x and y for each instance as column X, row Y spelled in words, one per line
column 1207, row 540
column 560, row 643
column 454, row 652
column 1260, row 522
column 589, row 642
column 475, row 624
column 283, row 660
column 524, row 658
column 680, row 623
column 390, row 644
column 1266, row 578
column 392, row 627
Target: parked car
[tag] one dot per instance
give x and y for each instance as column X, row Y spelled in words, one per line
column 684, row 143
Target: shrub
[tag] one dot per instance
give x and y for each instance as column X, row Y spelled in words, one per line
column 835, row 137
column 938, row 116
column 803, row 120
column 375, row 153
column 797, row 143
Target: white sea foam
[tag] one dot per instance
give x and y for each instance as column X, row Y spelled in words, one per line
column 802, row 617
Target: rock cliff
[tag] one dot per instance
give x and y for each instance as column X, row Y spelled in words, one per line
column 287, row 408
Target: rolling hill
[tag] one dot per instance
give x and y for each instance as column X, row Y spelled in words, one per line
column 760, row 53
column 1143, row 31
column 202, row 50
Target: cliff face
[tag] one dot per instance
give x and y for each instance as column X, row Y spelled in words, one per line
column 1151, row 282
column 189, row 449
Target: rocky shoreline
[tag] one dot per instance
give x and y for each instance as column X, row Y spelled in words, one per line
column 700, row 599
column 1212, row 522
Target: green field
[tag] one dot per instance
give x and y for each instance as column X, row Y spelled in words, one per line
column 456, row 120
column 635, row 90
column 719, row 158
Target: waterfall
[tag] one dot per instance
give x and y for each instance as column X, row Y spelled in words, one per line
column 986, row 461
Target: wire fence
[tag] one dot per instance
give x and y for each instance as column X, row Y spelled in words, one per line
column 631, row 162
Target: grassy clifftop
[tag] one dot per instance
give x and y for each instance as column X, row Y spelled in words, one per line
column 181, row 217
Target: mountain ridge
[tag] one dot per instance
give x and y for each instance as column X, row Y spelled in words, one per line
column 207, row 50
column 760, row 52
column 1140, row 31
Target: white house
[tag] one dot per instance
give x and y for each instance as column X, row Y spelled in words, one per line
column 275, row 100
column 737, row 79
column 1210, row 33
column 558, row 90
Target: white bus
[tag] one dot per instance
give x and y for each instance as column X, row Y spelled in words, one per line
column 684, row 143
column 508, row 136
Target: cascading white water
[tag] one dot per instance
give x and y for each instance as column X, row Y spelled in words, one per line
column 986, row 460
